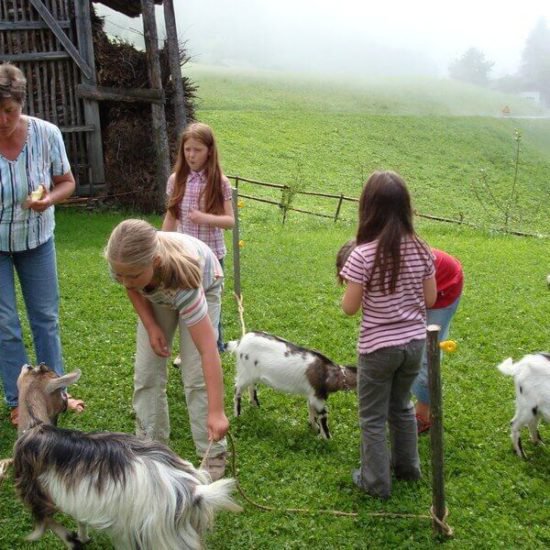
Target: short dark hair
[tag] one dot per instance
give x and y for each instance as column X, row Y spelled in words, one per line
column 12, row 83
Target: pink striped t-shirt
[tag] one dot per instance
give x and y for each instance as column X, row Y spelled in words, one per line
column 397, row 318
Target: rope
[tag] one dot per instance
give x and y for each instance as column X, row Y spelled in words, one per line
column 240, row 307
column 205, row 457
column 5, row 463
column 446, row 529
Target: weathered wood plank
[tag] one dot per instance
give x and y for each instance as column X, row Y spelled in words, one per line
column 30, row 25
column 128, row 95
column 35, row 56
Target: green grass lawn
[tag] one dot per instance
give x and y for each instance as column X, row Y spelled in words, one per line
column 289, row 289
column 288, row 283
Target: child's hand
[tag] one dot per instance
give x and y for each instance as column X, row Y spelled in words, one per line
column 217, row 426
column 158, row 341
column 198, row 217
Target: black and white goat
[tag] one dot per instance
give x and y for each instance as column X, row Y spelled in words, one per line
column 262, row 357
column 139, row 492
column 532, row 379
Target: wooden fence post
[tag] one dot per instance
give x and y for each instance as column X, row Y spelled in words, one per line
column 338, row 207
column 236, row 247
column 436, row 432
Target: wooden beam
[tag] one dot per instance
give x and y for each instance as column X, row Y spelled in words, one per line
column 81, row 128
column 94, row 140
column 30, row 25
column 175, row 67
column 158, row 115
column 35, row 56
column 128, row 95
column 62, row 37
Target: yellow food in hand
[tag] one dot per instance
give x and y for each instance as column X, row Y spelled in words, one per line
column 448, row 346
column 37, row 194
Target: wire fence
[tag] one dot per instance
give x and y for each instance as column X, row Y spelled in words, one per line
column 286, row 205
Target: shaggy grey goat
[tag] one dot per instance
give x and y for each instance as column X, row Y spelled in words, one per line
column 284, row 366
column 140, row 492
column 532, row 378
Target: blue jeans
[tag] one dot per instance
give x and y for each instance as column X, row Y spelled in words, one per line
column 37, row 273
column 441, row 317
column 221, row 344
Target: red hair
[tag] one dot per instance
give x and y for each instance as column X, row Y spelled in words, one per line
column 213, row 192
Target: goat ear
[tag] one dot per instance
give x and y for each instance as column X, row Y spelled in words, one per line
column 63, row 381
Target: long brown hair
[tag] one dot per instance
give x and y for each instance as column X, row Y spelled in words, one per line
column 386, row 216
column 213, row 192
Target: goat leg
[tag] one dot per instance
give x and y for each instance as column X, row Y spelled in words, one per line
column 83, row 533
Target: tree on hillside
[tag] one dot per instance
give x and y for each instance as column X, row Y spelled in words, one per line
column 471, row 67
column 535, row 61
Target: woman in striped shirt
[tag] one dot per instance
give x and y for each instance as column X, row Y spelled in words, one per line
column 174, row 281
column 390, row 277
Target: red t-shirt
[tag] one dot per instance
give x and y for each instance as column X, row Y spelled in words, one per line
column 449, row 279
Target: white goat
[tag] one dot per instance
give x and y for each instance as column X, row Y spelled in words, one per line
column 140, row 492
column 262, row 357
column 532, row 379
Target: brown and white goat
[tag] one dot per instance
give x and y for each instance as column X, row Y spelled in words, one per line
column 262, row 357
column 532, row 379
column 140, row 492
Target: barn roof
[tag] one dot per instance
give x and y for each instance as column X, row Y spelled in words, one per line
column 131, row 8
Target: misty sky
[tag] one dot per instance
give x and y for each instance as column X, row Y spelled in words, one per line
column 389, row 37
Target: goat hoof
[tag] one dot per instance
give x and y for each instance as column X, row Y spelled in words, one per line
column 75, row 542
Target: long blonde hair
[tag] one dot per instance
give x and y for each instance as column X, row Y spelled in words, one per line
column 137, row 243
column 213, row 191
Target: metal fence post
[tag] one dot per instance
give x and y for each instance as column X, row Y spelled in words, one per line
column 236, row 246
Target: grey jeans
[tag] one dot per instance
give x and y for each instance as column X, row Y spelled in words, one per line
column 385, row 377
column 151, row 373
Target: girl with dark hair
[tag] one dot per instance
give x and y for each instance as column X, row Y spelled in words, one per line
column 389, row 275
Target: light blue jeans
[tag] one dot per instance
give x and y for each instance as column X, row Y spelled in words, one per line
column 37, row 273
column 442, row 317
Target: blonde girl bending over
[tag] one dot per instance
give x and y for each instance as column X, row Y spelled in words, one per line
column 173, row 281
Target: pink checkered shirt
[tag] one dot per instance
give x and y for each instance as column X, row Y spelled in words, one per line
column 192, row 200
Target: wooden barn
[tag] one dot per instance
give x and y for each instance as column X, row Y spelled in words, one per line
column 51, row 41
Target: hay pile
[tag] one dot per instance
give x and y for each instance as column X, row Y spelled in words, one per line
column 126, row 127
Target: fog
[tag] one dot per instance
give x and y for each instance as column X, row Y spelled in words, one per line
column 397, row 37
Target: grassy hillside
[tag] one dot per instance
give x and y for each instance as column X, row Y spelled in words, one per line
column 330, row 135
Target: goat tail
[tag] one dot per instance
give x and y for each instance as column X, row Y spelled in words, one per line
column 508, row 367
column 217, row 495
column 232, row 345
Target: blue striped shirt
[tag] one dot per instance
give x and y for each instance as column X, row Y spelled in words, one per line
column 42, row 157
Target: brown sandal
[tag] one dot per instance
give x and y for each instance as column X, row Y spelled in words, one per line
column 14, row 417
